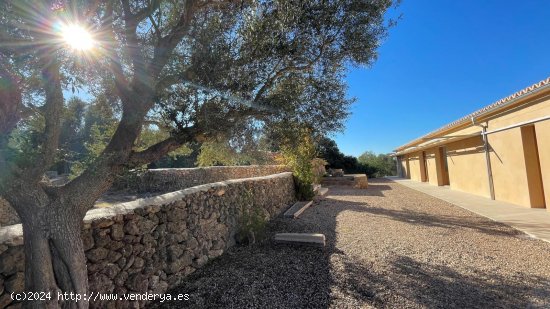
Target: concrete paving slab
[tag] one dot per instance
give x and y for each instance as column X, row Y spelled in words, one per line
column 297, row 209
column 533, row 221
column 308, row 239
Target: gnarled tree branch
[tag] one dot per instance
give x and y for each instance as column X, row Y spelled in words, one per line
column 155, row 152
column 53, row 107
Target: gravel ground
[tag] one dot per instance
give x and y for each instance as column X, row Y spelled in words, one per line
column 388, row 246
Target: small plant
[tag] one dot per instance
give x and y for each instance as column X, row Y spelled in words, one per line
column 299, row 155
column 304, row 190
column 252, row 221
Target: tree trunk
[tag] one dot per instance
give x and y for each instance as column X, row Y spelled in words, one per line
column 54, row 256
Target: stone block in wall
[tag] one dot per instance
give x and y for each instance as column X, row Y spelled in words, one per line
column 8, row 216
column 171, row 179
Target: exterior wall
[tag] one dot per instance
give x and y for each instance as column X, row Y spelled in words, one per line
column 415, row 169
column 467, row 167
column 520, row 164
column 423, row 171
column 404, row 166
column 432, row 163
column 408, row 168
column 149, row 245
column 537, row 108
column 542, row 130
column 520, row 156
column 442, row 172
column 532, row 167
column 522, row 180
column 436, row 168
column 508, row 165
column 172, row 179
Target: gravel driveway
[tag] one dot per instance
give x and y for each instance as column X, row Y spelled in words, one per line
column 388, row 246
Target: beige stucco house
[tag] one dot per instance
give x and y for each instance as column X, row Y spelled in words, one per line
column 501, row 151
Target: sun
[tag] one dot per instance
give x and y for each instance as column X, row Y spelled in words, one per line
column 77, row 37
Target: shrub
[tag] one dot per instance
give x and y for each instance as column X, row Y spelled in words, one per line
column 304, row 190
column 299, row 155
column 252, row 221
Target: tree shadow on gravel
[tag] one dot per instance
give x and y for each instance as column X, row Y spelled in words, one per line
column 479, row 224
column 410, row 282
column 269, row 275
column 413, row 216
column 263, row 275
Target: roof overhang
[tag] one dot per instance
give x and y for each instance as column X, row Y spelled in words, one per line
column 434, row 142
column 445, row 135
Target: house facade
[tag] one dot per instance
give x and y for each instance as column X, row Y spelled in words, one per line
column 501, row 151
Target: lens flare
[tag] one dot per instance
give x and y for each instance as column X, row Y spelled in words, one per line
column 77, row 37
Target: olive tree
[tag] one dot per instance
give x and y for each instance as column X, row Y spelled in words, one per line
column 196, row 67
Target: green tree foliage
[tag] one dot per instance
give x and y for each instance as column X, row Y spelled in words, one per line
column 179, row 161
column 21, row 146
column 368, row 163
column 247, row 148
column 214, row 153
column 299, row 154
column 237, row 75
column 196, row 69
column 329, row 151
column 383, row 163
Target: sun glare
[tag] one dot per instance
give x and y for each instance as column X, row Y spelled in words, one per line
column 77, row 37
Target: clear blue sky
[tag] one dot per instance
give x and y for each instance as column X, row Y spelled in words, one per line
column 443, row 60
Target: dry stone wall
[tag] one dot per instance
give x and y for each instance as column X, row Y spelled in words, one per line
column 149, row 245
column 171, row 179
column 8, row 216
column 168, row 180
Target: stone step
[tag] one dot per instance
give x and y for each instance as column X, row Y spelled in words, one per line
column 297, row 209
column 359, row 181
column 307, row 239
column 316, row 188
column 322, row 191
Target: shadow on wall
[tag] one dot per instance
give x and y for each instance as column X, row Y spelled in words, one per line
column 469, row 151
column 270, row 275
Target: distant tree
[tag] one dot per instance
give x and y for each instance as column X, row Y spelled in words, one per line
column 198, row 67
column 368, row 163
column 329, row 151
column 178, row 161
column 240, row 146
column 383, row 163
